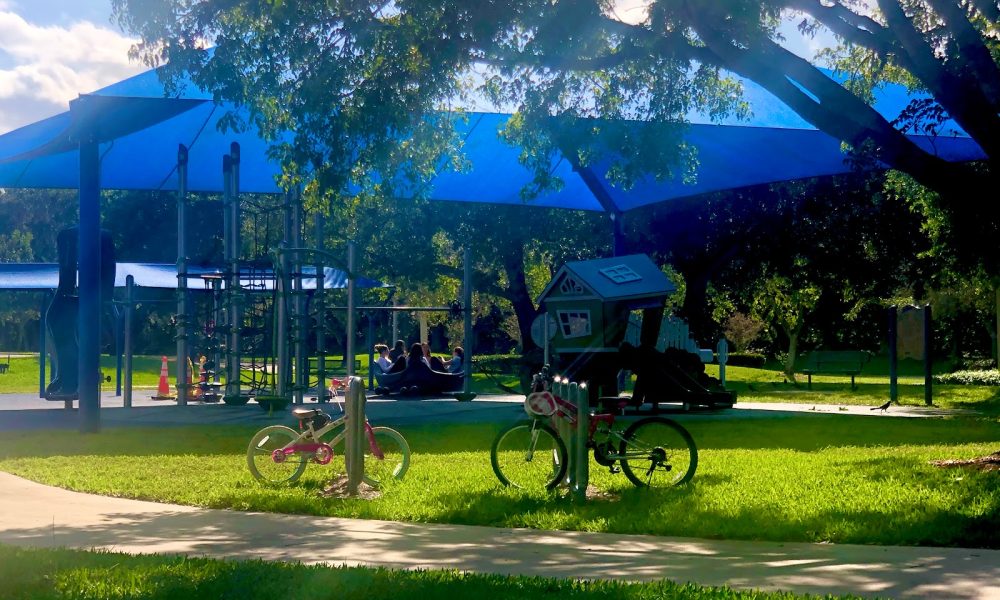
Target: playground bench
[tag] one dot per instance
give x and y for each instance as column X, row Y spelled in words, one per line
column 841, row 362
column 4, row 367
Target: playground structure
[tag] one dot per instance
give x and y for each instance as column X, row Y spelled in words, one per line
column 253, row 316
column 62, row 314
column 262, row 340
column 598, row 334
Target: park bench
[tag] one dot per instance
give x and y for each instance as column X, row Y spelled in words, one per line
column 4, row 367
column 828, row 362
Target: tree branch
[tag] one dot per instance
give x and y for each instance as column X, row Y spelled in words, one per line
column 976, row 64
column 856, row 29
column 989, row 9
column 965, row 103
column 824, row 103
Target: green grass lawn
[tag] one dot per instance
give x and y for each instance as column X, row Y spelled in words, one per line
column 766, row 384
column 30, row 574
column 808, row 477
column 769, row 384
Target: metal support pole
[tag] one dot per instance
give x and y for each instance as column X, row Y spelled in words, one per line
column 351, row 274
column 119, row 350
column 281, row 310
column 89, row 253
column 301, row 371
column 232, row 367
column 46, row 298
column 928, row 358
column 545, row 335
column 183, row 352
column 371, row 351
column 129, row 311
column 236, row 249
column 467, row 313
column 722, row 350
column 354, row 452
column 318, row 302
column 217, row 319
column 893, row 376
column 395, row 323
column 618, row 233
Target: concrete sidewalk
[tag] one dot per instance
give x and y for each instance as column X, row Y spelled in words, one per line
column 35, row 515
column 28, row 412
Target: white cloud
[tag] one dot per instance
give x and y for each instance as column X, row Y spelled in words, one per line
column 629, row 11
column 52, row 65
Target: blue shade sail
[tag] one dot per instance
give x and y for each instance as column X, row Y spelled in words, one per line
column 140, row 129
column 45, row 276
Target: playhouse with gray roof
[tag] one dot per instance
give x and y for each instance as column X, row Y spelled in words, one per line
column 590, row 300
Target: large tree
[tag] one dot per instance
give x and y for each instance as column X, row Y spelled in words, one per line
column 364, row 87
column 353, row 78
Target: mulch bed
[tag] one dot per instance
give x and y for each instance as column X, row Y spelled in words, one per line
column 337, row 488
column 990, row 462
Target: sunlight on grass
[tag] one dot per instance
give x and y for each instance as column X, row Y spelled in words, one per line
column 76, row 575
column 809, row 478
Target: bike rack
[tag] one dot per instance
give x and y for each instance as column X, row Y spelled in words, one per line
column 578, row 470
column 354, row 449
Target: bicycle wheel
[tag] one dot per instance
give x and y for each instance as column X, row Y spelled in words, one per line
column 529, row 455
column 657, row 452
column 260, row 457
column 394, row 459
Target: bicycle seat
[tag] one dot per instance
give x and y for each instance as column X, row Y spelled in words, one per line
column 305, row 413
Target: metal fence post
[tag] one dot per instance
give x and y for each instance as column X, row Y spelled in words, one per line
column 354, row 452
column 183, row 310
column 568, row 434
column 351, row 322
column 318, row 302
column 129, row 312
column 580, row 462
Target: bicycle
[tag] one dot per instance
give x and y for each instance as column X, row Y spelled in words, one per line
column 651, row 452
column 278, row 454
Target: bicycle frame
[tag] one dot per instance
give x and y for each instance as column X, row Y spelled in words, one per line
column 308, row 440
column 567, row 410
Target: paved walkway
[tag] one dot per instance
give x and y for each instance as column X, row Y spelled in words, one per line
column 27, row 411
column 35, row 515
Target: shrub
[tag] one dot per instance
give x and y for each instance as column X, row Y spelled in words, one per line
column 742, row 330
column 746, row 359
column 498, row 363
column 975, row 363
column 991, row 377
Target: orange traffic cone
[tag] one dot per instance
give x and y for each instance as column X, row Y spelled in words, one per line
column 163, row 389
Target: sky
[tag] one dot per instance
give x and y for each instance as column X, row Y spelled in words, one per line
column 53, row 50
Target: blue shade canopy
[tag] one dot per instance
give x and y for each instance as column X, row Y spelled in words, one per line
column 45, row 276
column 141, row 129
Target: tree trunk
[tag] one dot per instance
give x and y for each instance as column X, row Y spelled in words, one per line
column 517, row 293
column 793, row 350
column 996, row 338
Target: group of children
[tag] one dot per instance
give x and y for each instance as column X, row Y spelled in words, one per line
column 388, row 359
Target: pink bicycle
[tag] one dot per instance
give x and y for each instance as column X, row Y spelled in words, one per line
column 278, row 454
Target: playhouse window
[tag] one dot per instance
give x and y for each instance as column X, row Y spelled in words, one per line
column 620, row 274
column 574, row 323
